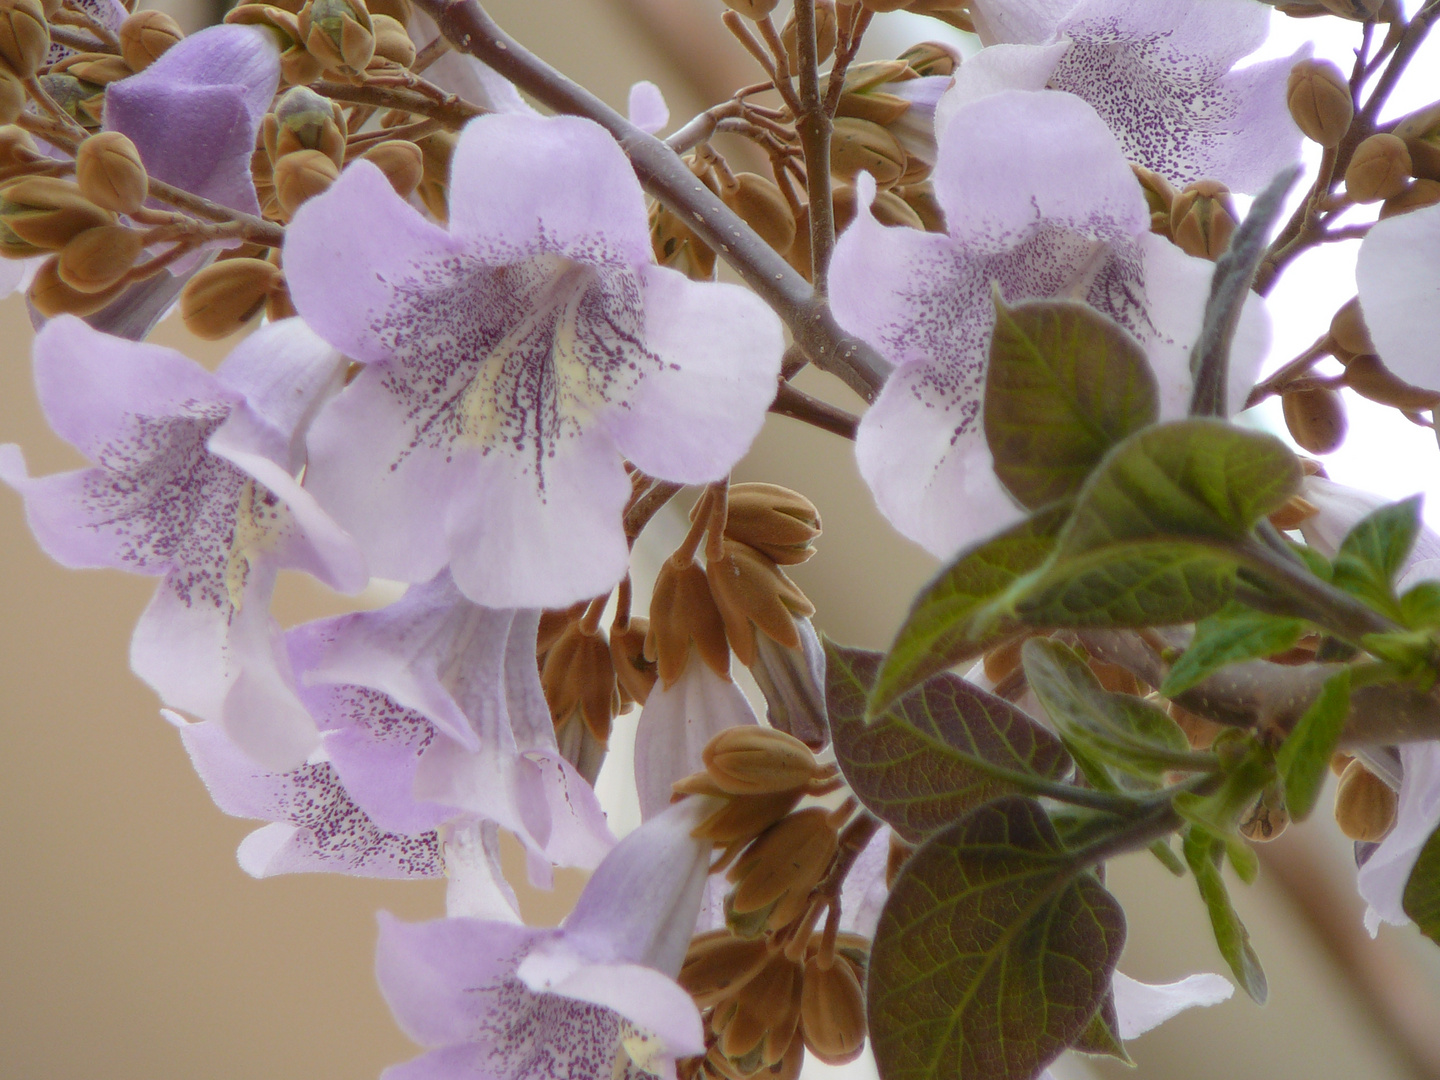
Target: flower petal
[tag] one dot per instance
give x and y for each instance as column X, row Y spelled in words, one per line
column 997, row 68
column 1383, row 877
column 1399, row 280
column 647, row 109
column 1142, row 1006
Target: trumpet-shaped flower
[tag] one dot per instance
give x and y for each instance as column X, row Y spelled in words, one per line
column 593, row 1000
column 1038, row 198
column 515, row 361
column 194, row 481
column 1398, row 273
column 1159, row 74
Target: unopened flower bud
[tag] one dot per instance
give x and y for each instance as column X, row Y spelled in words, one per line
column 752, row 760
column 98, row 258
column 865, row 96
column 1159, row 197
column 745, row 817
column 555, row 622
column 858, row 146
column 392, row 42
column 437, row 149
column 783, row 865
column 676, row 245
column 101, row 69
column 42, row 213
column 1320, row 102
column 51, row 297
column 683, row 613
column 1349, row 336
column 920, row 200
column 303, row 120
column 793, row 682
column 774, row 520
column 1368, row 376
column 579, row 676
column 753, row 9
column 110, row 173
column 1203, row 218
column 1199, row 730
column 224, row 296
column 17, row 148
column 760, row 204
column 79, row 100
column 1268, row 819
column 754, row 595
column 756, row 1026
column 1417, row 196
column 832, row 1011
column 827, row 33
column 1296, row 511
column 399, row 10
column 1379, row 169
column 888, row 208
column 1420, row 131
column 719, row 964
column 146, row 35
column 338, row 33
column 635, row 674
column 1316, row 418
column 931, row 58
column 297, row 66
column 302, row 175
column 13, row 97
column 24, row 36
column 1003, row 660
column 1365, row 806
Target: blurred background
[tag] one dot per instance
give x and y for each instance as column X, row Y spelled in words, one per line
column 132, row 946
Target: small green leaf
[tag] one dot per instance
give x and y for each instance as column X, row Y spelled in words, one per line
column 1420, row 606
column 1101, row 1036
column 1373, row 552
column 1421, row 898
column 937, row 753
column 1230, row 933
column 1317, row 563
column 1064, row 384
column 1304, row 756
column 1162, row 850
column 951, row 620
column 994, row 951
column 1243, row 858
column 1232, row 634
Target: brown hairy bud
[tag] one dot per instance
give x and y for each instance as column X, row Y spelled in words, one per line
column 1365, row 806
column 1320, row 102
column 921, row 201
column 888, row 208
column 1268, row 819
column 1159, row 197
column 683, row 614
column 754, row 595
column 297, row 66
column 339, row 34
column 17, row 148
column 759, row 203
column 677, row 247
column 110, row 173
column 1349, row 336
column 392, row 42
column 755, row 1027
column 1201, row 731
column 865, row 96
column 745, row 817
column 555, row 622
column 224, row 296
column 931, row 58
column 145, row 37
column 752, row 760
column 718, row 965
column 1420, row 131
column 753, row 9
column 43, row 213
column 1339, row 763
column 783, row 865
column 1379, row 169
column 1417, row 196
column 579, row 676
column 1293, row 514
column 1316, row 418
column 832, row 1011
column 302, row 175
column 827, row 33
column 24, row 36
column 13, row 97
column 99, row 68
column 402, row 162
column 858, row 146
column 636, row 675
column 434, row 189
column 1368, row 376
column 399, row 10
column 50, row 296
column 303, row 120
column 98, row 258
column 1203, row 218
column 774, row 520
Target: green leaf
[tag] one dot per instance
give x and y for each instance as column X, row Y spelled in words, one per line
column 1304, row 757
column 937, row 753
column 1373, row 552
column 1420, row 606
column 1064, row 384
column 1421, row 898
column 952, row 619
column 1230, row 933
column 1232, row 634
column 993, row 953
column 1101, row 1036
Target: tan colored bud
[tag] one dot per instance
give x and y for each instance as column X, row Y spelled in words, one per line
column 745, row 817
column 753, row 594
column 578, row 676
column 888, row 208
column 224, row 296
column 827, row 33
column 555, row 622
column 98, row 258
column 872, row 104
column 921, row 201
column 302, row 175
column 17, row 148
column 24, row 36
column 1268, row 819
column 110, row 173
column 1203, row 218
column 832, row 1011
column 683, row 613
column 1003, row 660
column 145, row 37
column 932, row 58
column 875, row 74
column 99, row 68
column 1349, row 336
column 1417, row 196
column 392, row 42
column 1368, row 376
column 774, row 520
column 51, row 297
column 13, row 97
column 1365, row 806
column 46, row 213
column 1316, row 418
column 677, row 247
column 79, row 100
column 1320, row 102
column 752, row 760
column 1293, row 514
column 297, row 66
column 399, row 10
column 858, row 146
column 783, row 865
column 1379, row 169
column 759, row 203
column 303, row 120
column 719, row 964
column 1420, row 131
column 1199, row 730
column 753, row 9
column 635, row 675
column 434, row 190
column 1339, row 763
column 338, row 33
column 757, row 1025
column 1159, row 197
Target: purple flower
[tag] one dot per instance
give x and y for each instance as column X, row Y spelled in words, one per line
column 1398, row 273
column 593, row 1000
column 1039, row 198
column 1158, row 73
column 514, row 361
column 194, row 481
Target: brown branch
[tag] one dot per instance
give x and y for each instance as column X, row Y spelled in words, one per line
column 76, row 39
column 799, row 405
column 812, row 124
column 452, row 111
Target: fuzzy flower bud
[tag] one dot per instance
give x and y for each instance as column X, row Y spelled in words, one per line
column 832, row 1011
column 1349, row 336
column 101, row 69
column 1379, row 169
column 1319, row 101
column 931, row 58
column 759, row 203
column 920, row 200
column 110, row 173
column 1268, row 819
column 827, row 33
column 635, row 675
column 774, row 520
column 436, row 149
column 145, row 36
column 578, row 676
column 1417, row 196
column 297, row 66
column 718, row 965
column 888, row 208
column 1316, row 418
column 98, row 258
column 1420, row 131
column 1368, row 376
column 224, row 296
column 752, row 760
column 753, row 594
column 865, row 97
column 24, row 36
column 684, row 613
column 43, row 213
column 13, row 97
column 302, row 175
column 392, row 42
column 743, row 818
column 1365, row 806
column 1203, row 218
column 1159, row 197
column 338, row 33
column 858, row 146
column 777, row 873
column 676, row 245
column 756, row 1027
column 303, row 120
column 51, row 297
column 753, row 9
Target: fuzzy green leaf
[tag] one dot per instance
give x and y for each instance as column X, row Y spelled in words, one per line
column 1373, row 552
column 1232, row 634
column 1304, row 756
column 1201, row 852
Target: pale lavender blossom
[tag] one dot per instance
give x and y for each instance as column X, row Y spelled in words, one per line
column 1161, row 75
column 793, row 684
column 593, row 1000
column 1398, row 273
column 515, row 361
column 1039, row 199
column 464, row 76
column 1383, row 877
column 194, row 481
column 646, row 107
